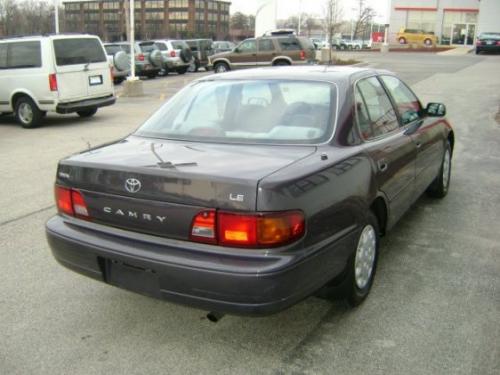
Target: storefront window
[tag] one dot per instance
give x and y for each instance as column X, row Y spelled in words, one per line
column 421, row 20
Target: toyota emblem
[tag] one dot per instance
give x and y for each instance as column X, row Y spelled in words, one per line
column 133, row 185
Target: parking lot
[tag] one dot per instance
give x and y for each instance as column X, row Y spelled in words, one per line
column 434, row 307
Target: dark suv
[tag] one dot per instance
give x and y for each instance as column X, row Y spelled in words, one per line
column 265, row 51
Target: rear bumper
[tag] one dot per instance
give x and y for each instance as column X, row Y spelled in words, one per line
column 242, row 283
column 488, row 48
column 82, row 105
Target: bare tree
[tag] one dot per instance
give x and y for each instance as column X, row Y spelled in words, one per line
column 332, row 22
column 365, row 15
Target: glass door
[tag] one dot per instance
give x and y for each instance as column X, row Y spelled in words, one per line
column 463, row 34
column 471, row 34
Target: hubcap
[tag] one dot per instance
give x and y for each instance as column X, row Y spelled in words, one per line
column 365, row 257
column 25, row 113
column 446, row 169
column 221, row 68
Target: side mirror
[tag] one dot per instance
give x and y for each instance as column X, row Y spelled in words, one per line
column 436, row 110
column 236, row 50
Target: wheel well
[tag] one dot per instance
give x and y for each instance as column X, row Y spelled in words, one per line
column 379, row 209
column 18, row 96
column 280, row 61
column 451, row 141
column 220, row 62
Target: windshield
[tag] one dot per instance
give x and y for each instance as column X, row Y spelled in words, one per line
column 258, row 111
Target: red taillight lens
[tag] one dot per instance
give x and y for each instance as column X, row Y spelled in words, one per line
column 203, row 228
column 112, row 73
column 63, row 200
column 498, row 43
column 71, row 202
column 173, row 54
column 257, row 230
column 53, row 82
column 302, row 55
column 140, row 57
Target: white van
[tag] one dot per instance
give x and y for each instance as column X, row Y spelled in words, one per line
column 58, row 73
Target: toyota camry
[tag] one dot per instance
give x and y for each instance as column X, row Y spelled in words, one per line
column 249, row 191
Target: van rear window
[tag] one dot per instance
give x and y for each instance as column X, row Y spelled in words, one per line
column 74, row 51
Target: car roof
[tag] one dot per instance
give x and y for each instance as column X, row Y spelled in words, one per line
column 333, row 74
column 48, row 36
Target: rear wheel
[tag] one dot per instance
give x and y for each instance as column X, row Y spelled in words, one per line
column 27, row 113
column 402, row 40
column 221, row 67
column 87, row 112
column 355, row 282
column 428, row 42
column 439, row 187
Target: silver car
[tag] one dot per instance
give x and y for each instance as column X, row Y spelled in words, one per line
column 177, row 56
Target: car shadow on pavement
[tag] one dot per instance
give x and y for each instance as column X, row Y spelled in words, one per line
column 49, row 121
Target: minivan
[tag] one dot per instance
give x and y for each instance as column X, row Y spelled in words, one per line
column 56, row 73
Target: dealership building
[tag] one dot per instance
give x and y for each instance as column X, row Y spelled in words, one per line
column 455, row 22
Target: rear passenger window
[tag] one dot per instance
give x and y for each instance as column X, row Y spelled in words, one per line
column 289, row 44
column 3, row 56
column 73, row 51
column 374, row 112
column 24, row 55
column 266, row 45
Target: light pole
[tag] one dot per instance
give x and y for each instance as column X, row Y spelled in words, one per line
column 132, row 41
column 300, row 17
column 56, row 14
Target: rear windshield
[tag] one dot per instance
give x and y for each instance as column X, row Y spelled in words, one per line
column 161, row 46
column 73, row 51
column 112, row 49
column 256, row 111
column 179, row 44
column 148, row 47
column 489, row 35
column 125, row 47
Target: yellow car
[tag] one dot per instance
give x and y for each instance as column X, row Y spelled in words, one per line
column 413, row 36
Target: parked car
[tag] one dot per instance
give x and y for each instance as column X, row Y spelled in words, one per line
column 119, row 60
column 58, row 73
column 413, row 36
column 201, row 49
column 222, row 46
column 148, row 58
column 488, row 42
column 265, row 51
column 177, row 56
column 251, row 190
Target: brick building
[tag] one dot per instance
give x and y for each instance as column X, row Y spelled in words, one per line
column 153, row 18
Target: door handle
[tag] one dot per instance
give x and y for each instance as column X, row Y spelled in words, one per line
column 382, row 165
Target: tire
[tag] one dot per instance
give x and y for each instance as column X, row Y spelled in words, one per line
column 348, row 286
column 182, row 70
column 402, row 40
column 118, row 81
column 478, row 52
column 27, row 113
column 281, row 63
column 186, row 55
column 156, row 59
column 87, row 112
column 428, row 42
column 440, row 186
column 221, row 67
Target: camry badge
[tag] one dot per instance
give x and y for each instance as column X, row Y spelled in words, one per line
column 133, row 185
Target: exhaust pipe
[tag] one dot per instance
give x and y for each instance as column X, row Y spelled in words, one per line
column 214, row 316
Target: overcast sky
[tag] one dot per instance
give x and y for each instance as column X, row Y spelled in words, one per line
column 287, row 8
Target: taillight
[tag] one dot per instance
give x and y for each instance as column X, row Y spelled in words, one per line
column 112, row 73
column 255, row 230
column 53, row 82
column 498, row 43
column 140, row 57
column 203, row 228
column 71, row 202
column 173, row 54
column 302, row 55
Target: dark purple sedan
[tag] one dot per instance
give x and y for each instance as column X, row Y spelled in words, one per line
column 250, row 191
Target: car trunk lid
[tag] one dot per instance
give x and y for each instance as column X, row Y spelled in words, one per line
column 158, row 187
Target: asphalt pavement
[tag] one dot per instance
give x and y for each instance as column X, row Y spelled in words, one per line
column 434, row 307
